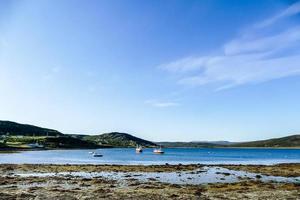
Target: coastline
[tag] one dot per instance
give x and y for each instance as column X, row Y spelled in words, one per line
column 283, row 169
column 259, row 147
column 28, row 181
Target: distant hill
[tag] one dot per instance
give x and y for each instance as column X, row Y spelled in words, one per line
column 117, row 139
column 31, row 134
column 216, row 142
column 289, row 141
column 188, row 144
column 13, row 128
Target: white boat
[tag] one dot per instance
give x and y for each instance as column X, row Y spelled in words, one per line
column 139, row 149
column 95, row 154
column 158, row 151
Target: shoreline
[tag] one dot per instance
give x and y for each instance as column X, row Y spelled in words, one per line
column 282, row 169
column 38, row 181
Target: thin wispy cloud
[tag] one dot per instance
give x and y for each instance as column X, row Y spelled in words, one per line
column 291, row 10
column 250, row 58
column 185, row 64
column 161, row 104
column 269, row 44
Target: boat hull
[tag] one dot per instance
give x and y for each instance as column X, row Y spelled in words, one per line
column 97, row 156
column 158, row 152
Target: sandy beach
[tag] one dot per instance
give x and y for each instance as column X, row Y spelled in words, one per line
column 149, row 182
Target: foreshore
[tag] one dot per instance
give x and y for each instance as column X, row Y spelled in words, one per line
column 38, row 181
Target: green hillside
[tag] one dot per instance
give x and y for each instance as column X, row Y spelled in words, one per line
column 50, row 142
column 289, row 141
column 117, row 139
column 13, row 128
column 17, row 135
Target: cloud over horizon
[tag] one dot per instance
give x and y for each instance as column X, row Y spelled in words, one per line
column 255, row 56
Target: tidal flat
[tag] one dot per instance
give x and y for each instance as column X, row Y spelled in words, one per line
column 37, row 181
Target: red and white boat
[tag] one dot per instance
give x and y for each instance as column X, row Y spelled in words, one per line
column 158, row 151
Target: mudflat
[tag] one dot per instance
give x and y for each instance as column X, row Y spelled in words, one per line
column 62, row 182
column 286, row 170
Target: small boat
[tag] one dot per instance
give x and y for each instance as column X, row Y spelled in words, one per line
column 139, row 149
column 97, row 154
column 158, row 151
column 91, row 152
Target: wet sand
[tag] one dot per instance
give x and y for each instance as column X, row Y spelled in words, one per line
column 68, row 186
column 4, row 168
column 287, row 170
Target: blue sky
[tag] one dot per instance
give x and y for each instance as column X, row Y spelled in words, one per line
column 161, row 70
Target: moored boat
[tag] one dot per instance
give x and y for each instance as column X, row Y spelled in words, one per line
column 158, row 151
column 139, row 149
column 95, row 154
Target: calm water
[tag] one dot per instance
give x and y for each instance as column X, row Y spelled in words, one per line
column 171, row 156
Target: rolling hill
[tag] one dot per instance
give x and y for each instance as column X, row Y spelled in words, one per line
column 289, row 141
column 18, row 136
column 292, row 141
column 188, row 144
column 13, row 128
column 117, row 139
column 23, row 134
column 196, row 144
